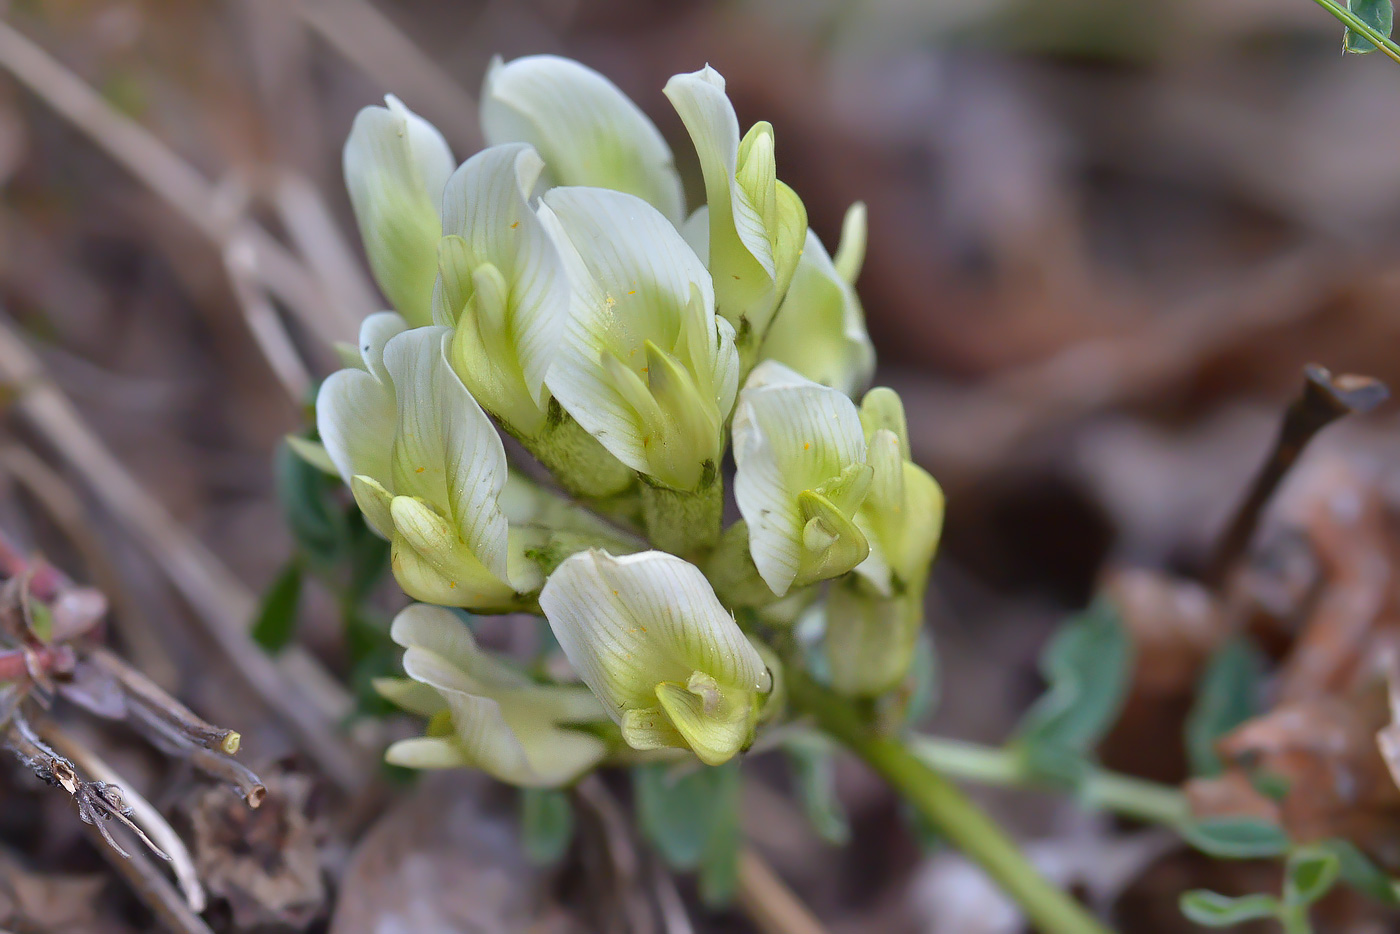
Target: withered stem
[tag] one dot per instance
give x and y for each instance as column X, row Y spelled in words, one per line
column 1324, row 399
column 151, row 886
column 160, row 704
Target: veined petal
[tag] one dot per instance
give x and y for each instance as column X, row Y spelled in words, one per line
column 800, row 454
column 446, row 450
column 356, row 416
column 819, row 330
column 486, row 205
column 395, row 166
column 502, row 722
column 588, row 131
column 628, row 624
column 755, row 223
column 903, row 515
column 636, row 283
column 704, row 108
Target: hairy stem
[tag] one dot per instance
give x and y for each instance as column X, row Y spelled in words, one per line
column 940, row 801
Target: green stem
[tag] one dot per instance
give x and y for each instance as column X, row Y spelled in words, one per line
column 1357, row 25
column 1100, row 790
column 946, row 807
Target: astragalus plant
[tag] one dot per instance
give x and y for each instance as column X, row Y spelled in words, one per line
column 554, row 288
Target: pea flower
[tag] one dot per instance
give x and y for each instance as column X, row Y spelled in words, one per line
column 650, row 638
column 502, row 286
column 754, row 224
column 819, row 329
column 587, row 130
column 484, row 713
column 800, row 453
column 874, row 618
column 396, row 164
column 644, row 364
column 425, row 466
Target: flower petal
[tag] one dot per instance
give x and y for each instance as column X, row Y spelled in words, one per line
column 445, row 449
column 819, row 330
column 356, row 416
column 396, row 164
column 588, row 131
column 635, row 282
column 704, row 108
column 630, row 623
column 799, row 452
column 486, row 204
column 503, row 723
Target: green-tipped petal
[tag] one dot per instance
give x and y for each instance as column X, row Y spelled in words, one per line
column 636, row 282
column 588, row 131
column 502, row 285
column 902, row 517
column 640, row 628
column 819, row 330
column 446, row 451
column 756, row 224
column 396, row 164
column 356, row 413
column 502, row 723
column 800, row 453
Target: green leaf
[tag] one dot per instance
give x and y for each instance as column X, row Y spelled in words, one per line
column 923, row 698
column 679, row 814
column 366, row 555
column 1310, row 873
column 315, row 520
column 1087, row 665
column 1378, row 14
column 1363, row 875
column 1225, row 697
column 810, row 756
column 719, row 864
column 1236, row 837
column 277, row 614
column 546, row 824
column 1218, row 911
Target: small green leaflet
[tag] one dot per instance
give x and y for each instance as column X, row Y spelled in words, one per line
column 1087, row 664
column 810, row 758
column 1378, row 14
column 1218, row 911
column 1311, row 872
column 692, row 819
column 1236, row 837
column 546, row 824
column 1225, row 698
column 277, row 615
column 1358, row 871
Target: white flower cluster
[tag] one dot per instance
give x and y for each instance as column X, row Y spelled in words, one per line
column 553, row 286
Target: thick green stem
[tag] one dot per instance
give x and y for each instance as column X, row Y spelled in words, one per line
column 1357, row 25
column 1100, row 790
column 947, row 808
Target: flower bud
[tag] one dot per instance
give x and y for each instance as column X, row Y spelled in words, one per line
column 587, row 130
column 903, row 515
column 819, row 329
column 425, row 466
column 800, row 454
column 873, row 619
column 754, row 226
column 396, row 164
column 485, row 713
column 669, row 664
column 645, row 366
